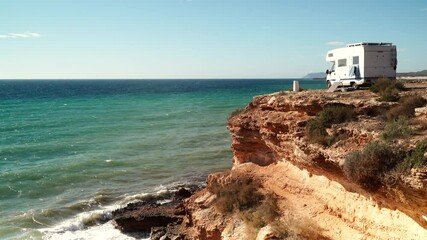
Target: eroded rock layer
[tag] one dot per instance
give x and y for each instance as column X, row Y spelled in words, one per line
column 271, row 131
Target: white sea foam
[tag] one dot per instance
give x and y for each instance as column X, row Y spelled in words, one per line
column 86, row 225
column 105, row 232
column 97, row 224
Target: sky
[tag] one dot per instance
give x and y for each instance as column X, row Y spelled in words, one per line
column 179, row 39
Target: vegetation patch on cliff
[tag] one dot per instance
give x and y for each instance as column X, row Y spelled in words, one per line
column 378, row 162
column 414, row 159
column 406, row 107
column 240, row 194
column 387, row 89
column 396, row 129
column 334, row 114
column 398, row 125
column 366, row 167
column 235, row 191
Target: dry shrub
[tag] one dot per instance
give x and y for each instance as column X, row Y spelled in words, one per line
column 367, row 167
column 387, row 89
column 406, row 107
column 239, row 193
column 396, row 129
column 413, row 101
column 380, row 85
column 258, row 217
column 296, row 229
column 266, row 212
column 235, row 191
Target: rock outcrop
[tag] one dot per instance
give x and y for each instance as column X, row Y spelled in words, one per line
column 161, row 220
column 270, row 132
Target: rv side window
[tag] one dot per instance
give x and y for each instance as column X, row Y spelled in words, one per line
column 342, row 62
column 355, row 60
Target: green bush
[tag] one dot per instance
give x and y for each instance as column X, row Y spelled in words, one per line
column 406, row 107
column 415, row 159
column 387, row 89
column 389, row 95
column 316, row 131
column 380, row 85
column 366, row 167
column 335, row 114
column 396, row 129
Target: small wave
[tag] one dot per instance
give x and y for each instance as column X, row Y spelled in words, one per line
column 105, row 232
column 96, row 224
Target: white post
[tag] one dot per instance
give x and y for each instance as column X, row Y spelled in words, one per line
column 296, row 86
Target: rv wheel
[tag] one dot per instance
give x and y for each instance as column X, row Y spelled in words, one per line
column 354, row 86
column 328, row 84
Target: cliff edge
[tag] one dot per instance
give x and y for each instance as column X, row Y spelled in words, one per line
column 314, row 199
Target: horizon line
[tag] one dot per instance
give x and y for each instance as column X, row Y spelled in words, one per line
column 24, row 79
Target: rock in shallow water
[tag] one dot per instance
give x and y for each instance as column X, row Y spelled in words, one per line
column 163, row 221
column 150, row 215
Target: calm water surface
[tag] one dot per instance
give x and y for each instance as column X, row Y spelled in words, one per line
column 73, row 151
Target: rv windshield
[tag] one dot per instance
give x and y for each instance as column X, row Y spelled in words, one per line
column 333, row 67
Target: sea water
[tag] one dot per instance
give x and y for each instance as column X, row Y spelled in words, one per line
column 73, row 151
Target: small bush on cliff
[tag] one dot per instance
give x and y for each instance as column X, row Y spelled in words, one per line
column 316, row 127
column 296, row 228
column 396, row 129
column 336, row 114
column 235, row 192
column 415, row 159
column 406, row 107
column 387, row 89
column 316, row 131
column 239, row 193
column 366, row 167
column 266, row 212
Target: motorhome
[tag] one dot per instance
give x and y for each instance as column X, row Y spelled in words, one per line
column 361, row 64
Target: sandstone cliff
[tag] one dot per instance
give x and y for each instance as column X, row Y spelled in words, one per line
column 314, row 198
column 284, row 186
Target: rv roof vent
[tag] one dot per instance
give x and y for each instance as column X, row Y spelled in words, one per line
column 368, row 44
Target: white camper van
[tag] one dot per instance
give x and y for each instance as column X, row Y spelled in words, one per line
column 360, row 64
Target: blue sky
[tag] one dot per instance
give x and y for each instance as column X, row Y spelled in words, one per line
column 70, row 39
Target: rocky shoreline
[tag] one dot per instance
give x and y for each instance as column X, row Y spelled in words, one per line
column 159, row 218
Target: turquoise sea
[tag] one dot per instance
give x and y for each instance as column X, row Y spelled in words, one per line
column 72, row 151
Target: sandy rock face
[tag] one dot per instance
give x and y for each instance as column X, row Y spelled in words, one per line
column 271, row 134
